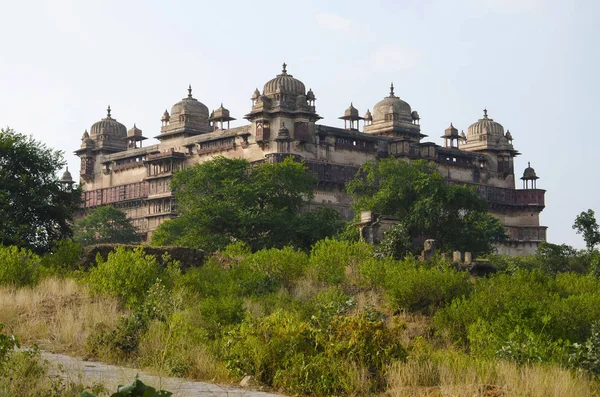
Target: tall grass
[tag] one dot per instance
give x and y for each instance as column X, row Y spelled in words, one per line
column 458, row 375
column 57, row 314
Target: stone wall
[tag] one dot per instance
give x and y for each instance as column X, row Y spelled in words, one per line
column 188, row 257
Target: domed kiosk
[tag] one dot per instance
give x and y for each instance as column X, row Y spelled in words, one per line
column 188, row 117
column 394, row 117
column 108, row 134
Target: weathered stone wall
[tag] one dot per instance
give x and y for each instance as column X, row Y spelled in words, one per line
column 188, row 257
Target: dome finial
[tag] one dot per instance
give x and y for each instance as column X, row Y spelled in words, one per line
column 392, row 89
column 485, row 116
column 284, row 70
column 190, row 91
column 108, row 111
column 529, row 164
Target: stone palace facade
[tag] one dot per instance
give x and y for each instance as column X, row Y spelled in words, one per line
column 117, row 169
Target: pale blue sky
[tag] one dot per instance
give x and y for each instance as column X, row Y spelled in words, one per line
column 533, row 63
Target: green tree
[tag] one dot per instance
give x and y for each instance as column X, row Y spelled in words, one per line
column 586, row 224
column 34, row 209
column 229, row 200
column 456, row 216
column 105, row 224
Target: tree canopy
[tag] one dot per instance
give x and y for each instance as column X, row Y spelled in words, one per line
column 427, row 206
column 229, row 200
column 34, row 209
column 586, row 224
column 103, row 225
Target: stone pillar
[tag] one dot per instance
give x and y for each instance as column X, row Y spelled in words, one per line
column 456, row 257
column 468, row 258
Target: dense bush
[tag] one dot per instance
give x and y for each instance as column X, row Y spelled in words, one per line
column 128, row 274
column 284, row 351
column 333, row 260
column 528, row 309
column 413, row 287
column 18, row 266
column 62, row 258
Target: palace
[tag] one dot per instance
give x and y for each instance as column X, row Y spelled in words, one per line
column 117, row 169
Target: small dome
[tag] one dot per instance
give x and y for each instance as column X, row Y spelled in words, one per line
column 189, row 106
column 351, row 112
column 66, row 176
column 392, row 105
column 165, row 116
column 221, row 112
column 310, row 95
column 284, row 83
column 451, row 131
column 255, row 94
column 368, row 116
column 85, row 135
column 485, row 126
column 134, row 131
column 108, row 126
column 529, row 172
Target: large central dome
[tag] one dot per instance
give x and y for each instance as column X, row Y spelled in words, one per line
column 485, row 126
column 284, row 83
column 108, row 127
column 392, row 108
column 189, row 106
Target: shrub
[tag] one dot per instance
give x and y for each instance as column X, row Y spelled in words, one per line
column 63, row 257
column 330, row 260
column 338, row 357
column 586, row 356
column 283, row 265
column 527, row 309
column 417, row 289
column 19, row 266
column 121, row 342
column 126, row 274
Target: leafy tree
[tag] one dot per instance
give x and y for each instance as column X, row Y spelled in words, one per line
column 228, row 200
column 105, row 224
column 586, row 224
column 34, row 210
column 456, row 216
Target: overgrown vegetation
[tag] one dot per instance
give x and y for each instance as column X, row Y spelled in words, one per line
column 340, row 320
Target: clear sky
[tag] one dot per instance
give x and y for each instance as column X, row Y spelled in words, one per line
column 533, row 63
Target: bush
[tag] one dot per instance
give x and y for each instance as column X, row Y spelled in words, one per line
column 19, row 266
column 415, row 288
column 331, row 358
column 63, row 258
column 332, row 260
column 547, row 312
column 128, row 275
column 586, row 356
column 283, row 265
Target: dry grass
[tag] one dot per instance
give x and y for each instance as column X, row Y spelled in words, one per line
column 461, row 376
column 57, row 314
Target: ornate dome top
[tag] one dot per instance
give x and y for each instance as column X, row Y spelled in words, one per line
column 310, row 95
column 351, row 112
column 368, row 115
column 86, row 141
column 529, row 173
column 284, row 83
column 165, row 116
column 189, row 106
column 66, row 176
column 255, row 94
column 108, row 126
column 392, row 105
column 134, row 131
column 485, row 126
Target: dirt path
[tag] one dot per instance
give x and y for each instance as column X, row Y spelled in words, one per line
column 111, row 376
